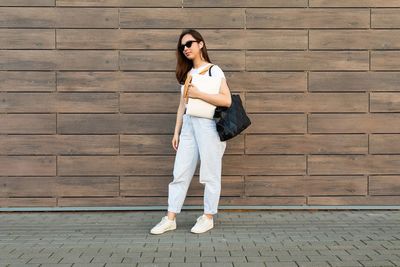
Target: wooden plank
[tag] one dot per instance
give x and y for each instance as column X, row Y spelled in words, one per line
column 14, row 81
column 384, row 143
column 264, row 164
column 87, row 186
column 121, row 3
column 116, row 123
column 384, row 185
column 310, row 102
column 28, row 202
column 384, row 102
column 27, row 165
column 88, row 81
column 353, row 164
column 385, row 60
column 354, row 81
column 149, row 102
column 354, row 3
column 27, row 123
column 176, row 17
column 58, row 60
column 277, row 123
column 354, row 123
column 385, row 18
column 354, row 200
column 245, row 3
column 307, row 18
column 27, row 3
column 88, row 123
column 27, row 39
column 306, row 60
column 48, row 17
column 27, row 187
column 305, row 185
column 354, row 39
column 307, row 144
column 114, row 165
column 267, row 81
column 58, row 144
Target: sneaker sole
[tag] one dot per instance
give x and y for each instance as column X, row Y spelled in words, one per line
column 159, row 233
column 194, row 232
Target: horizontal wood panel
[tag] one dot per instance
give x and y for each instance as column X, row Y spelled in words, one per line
column 27, row 38
column 27, row 3
column 60, row 186
column 354, row 3
column 384, row 143
column 47, row 17
column 28, row 123
column 34, row 81
column 58, row 60
column 277, row 123
column 122, row 3
column 312, row 102
column 59, row 102
column 58, row 144
column 176, row 17
column 354, row 123
column 385, row 60
column 307, row 18
column 307, row 144
column 353, row 164
column 354, row 39
column 27, row 165
column 305, row 185
column 384, row 185
column 309, row 60
column 385, row 18
column 354, row 81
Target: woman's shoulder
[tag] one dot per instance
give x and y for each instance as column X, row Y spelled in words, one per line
column 217, row 71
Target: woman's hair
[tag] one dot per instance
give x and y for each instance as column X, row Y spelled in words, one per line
column 184, row 64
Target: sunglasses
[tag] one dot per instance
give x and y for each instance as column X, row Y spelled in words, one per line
column 188, row 45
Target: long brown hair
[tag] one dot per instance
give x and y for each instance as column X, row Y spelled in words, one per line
column 184, row 65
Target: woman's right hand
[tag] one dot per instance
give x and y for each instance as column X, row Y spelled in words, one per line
column 175, row 141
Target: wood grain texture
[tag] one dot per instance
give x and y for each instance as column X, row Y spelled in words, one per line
column 89, row 95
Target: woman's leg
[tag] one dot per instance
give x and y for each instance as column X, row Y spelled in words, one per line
column 186, row 160
column 211, row 151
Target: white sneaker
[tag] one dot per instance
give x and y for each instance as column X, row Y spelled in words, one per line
column 164, row 225
column 202, row 225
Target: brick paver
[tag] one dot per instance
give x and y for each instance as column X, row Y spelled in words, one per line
column 253, row 238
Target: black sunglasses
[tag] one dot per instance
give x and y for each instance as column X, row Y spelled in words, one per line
column 188, row 45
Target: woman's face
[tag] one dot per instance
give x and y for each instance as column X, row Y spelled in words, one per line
column 194, row 50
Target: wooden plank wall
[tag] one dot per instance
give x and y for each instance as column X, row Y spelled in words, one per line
column 88, row 100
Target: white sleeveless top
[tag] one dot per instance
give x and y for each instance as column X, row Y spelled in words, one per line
column 216, row 71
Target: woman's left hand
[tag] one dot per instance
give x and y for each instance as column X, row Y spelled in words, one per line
column 193, row 91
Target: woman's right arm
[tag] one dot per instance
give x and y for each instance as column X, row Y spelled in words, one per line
column 179, row 115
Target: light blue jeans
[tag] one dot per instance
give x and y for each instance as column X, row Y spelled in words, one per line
column 198, row 138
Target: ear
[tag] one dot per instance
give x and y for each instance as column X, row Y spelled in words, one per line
column 201, row 44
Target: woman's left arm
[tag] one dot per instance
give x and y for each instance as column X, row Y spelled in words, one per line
column 223, row 99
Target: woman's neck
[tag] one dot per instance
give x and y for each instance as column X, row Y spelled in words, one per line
column 198, row 63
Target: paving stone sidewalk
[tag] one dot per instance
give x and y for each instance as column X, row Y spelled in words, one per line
column 251, row 238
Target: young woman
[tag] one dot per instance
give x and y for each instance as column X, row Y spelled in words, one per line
column 197, row 139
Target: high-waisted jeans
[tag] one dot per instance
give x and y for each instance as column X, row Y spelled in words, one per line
column 198, row 140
